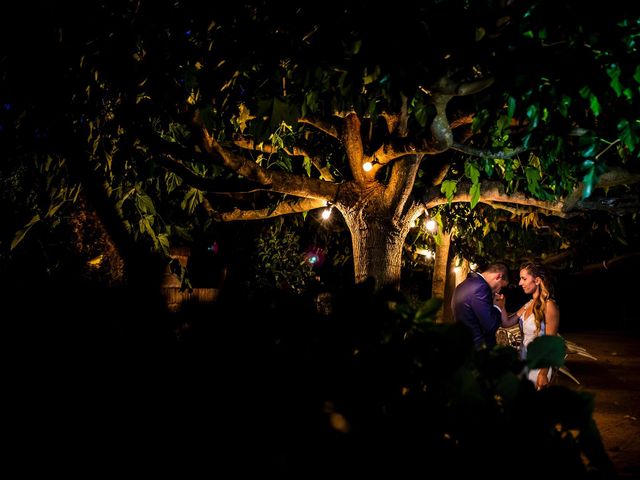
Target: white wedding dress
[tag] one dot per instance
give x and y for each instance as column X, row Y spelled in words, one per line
column 528, row 329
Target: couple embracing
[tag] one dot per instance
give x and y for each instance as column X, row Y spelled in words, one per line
column 478, row 304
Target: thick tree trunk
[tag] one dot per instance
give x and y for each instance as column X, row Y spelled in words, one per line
column 439, row 283
column 377, row 251
column 452, row 283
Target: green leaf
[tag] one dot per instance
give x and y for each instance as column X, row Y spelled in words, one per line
column 503, row 122
column 595, row 104
column 590, row 150
column 163, row 240
column 120, row 202
column 508, row 170
column 307, row 165
column 479, row 120
column 564, row 105
column 53, row 209
column 475, row 194
column 172, row 181
column 511, row 103
column 585, row 92
column 546, row 351
column 587, row 164
column 449, row 188
column 588, row 182
column 284, row 162
column 471, row 171
column 532, row 113
column 192, row 199
column 145, row 203
column 489, row 166
column 533, row 179
column 627, row 135
column 421, row 115
column 614, row 73
column 371, row 77
column 21, row 233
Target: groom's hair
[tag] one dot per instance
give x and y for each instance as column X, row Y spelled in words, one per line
column 497, row 267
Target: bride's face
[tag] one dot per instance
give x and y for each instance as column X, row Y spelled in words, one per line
column 527, row 282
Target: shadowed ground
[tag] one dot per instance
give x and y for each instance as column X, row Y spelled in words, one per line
column 615, row 380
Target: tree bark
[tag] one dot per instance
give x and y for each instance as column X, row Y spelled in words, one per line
column 439, row 283
column 377, row 250
column 453, row 279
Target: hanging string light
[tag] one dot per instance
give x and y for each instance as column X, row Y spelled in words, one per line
column 368, row 166
column 431, row 225
column 425, row 252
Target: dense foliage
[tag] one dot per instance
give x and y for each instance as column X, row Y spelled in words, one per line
column 99, row 104
column 273, row 386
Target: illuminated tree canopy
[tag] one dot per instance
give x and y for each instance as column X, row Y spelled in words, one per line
column 253, row 111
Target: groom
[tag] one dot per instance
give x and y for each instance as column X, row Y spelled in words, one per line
column 476, row 305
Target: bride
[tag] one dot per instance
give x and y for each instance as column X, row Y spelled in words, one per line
column 539, row 316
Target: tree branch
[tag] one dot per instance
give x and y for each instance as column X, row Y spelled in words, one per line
column 614, row 177
column 441, row 135
column 619, row 205
column 491, row 192
column 399, row 147
column 282, row 182
column 249, row 144
column 413, row 212
column 352, row 141
column 439, row 178
column 189, row 176
column 476, row 152
column 447, row 86
column 392, row 120
column 524, row 210
column 243, row 166
column 284, row 208
column 403, row 175
column 612, row 262
column 325, row 126
column 465, row 120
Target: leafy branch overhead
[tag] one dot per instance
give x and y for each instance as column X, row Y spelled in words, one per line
column 258, row 110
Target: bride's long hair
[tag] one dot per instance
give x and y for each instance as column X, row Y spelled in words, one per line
column 546, row 292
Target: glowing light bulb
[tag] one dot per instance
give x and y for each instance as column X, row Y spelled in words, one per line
column 326, row 213
column 431, row 225
column 367, row 166
column 426, row 252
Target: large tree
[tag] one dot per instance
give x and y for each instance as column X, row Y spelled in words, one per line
column 383, row 115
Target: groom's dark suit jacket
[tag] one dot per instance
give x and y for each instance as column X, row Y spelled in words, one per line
column 472, row 305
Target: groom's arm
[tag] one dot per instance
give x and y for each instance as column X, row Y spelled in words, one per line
column 488, row 315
